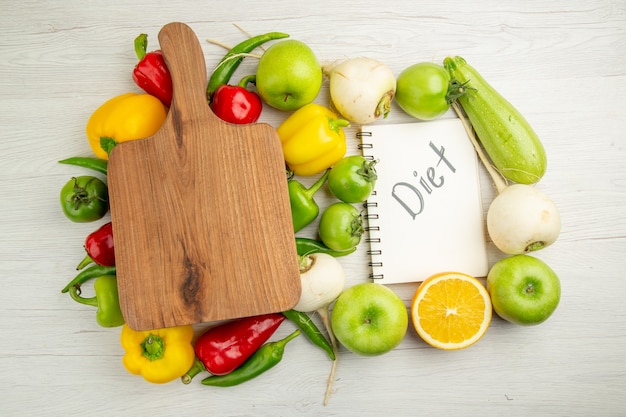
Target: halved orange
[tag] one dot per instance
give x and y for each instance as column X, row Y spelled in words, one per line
column 451, row 310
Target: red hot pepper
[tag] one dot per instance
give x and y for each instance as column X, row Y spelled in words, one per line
column 223, row 348
column 151, row 73
column 236, row 104
column 99, row 247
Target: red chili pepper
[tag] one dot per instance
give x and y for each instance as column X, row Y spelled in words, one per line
column 99, row 247
column 223, row 348
column 151, row 73
column 236, row 104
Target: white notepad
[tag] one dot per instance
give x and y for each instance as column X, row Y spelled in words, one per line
column 425, row 215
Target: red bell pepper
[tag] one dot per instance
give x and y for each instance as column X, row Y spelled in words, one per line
column 99, row 247
column 236, row 104
column 223, row 348
column 151, row 73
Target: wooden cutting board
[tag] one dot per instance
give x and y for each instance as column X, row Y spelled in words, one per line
column 200, row 210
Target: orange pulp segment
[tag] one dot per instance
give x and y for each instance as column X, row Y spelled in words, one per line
column 451, row 310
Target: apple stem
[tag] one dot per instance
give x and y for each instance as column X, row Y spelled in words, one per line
column 323, row 312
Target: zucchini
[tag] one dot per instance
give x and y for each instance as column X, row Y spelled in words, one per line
column 509, row 141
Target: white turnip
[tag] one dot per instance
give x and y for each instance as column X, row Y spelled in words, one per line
column 322, row 278
column 522, row 219
column 361, row 89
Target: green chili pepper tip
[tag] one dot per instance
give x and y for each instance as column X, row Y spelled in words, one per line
column 141, row 46
column 195, row 369
column 97, row 164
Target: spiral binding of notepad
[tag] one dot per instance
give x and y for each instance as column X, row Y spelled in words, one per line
column 371, row 217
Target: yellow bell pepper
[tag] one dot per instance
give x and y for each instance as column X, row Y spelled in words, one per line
column 161, row 355
column 312, row 139
column 126, row 117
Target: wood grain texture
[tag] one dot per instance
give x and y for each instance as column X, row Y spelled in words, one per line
column 200, row 210
column 562, row 63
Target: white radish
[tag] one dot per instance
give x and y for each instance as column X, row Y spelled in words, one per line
column 361, row 89
column 323, row 279
column 521, row 219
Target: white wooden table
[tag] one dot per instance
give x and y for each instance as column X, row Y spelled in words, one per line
column 560, row 62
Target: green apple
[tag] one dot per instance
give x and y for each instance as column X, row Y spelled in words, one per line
column 288, row 75
column 369, row 319
column 523, row 289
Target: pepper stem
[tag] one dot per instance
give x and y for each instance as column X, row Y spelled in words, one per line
column 248, row 79
column 153, row 347
column 107, row 144
column 336, row 124
column 281, row 343
column 195, row 369
column 86, row 261
column 310, row 192
column 141, row 46
column 75, row 294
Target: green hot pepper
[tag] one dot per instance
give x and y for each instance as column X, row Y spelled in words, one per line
column 86, row 274
column 97, row 164
column 307, row 246
column 310, row 330
column 229, row 63
column 304, row 209
column 106, row 300
column 268, row 356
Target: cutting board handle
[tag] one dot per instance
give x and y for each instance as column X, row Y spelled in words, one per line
column 187, row 68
